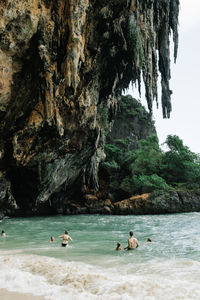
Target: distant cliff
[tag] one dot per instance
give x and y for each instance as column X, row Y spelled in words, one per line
column 64, row 64
column 131, row 124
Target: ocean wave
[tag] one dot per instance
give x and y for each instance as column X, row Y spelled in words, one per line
column 56, row 279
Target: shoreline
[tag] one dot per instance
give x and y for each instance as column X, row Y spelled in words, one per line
column 157, row 202
column 7, row 295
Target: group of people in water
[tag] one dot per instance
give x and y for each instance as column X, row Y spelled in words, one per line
column 65, row 238
column 132, row 241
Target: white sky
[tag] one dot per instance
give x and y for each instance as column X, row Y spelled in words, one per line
column 185, row 82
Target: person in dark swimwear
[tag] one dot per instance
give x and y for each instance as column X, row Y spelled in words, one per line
column 65, row 238
column 132, row 242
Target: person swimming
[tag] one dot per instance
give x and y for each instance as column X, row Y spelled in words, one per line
column 119, row 246
column 52, row 239
column 132, row 242
column 3, row 234
column 149, row 240
column 65, row 238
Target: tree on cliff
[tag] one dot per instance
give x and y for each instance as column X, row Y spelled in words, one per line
column 148, row 168
column 148, row 157
column 180, row 166
column 145, row 168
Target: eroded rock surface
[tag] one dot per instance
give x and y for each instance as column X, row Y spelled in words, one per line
column 159, row 202
column 62, row 64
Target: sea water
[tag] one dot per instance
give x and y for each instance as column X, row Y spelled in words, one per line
column 91, row 268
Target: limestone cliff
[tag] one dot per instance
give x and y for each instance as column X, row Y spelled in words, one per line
column 132, row 123
column 61, row 64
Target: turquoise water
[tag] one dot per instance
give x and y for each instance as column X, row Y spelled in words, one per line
column 90, row 268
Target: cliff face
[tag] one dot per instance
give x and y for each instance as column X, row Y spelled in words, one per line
column 159, row 202
column 131, row 123
column 62, row 64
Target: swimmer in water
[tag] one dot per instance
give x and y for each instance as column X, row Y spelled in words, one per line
column 65, row 238
column 3, row 234
column 132, row 242
column 119, row 246
column 149, row 240
column 52, row 239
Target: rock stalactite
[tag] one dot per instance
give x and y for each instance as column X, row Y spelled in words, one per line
column 63, row 66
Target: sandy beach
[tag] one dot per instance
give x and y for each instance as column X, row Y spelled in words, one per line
column 6, row 295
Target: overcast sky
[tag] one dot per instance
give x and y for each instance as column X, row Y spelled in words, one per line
column 185, row 82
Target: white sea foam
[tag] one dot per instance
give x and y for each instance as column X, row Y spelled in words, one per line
column 166, row 269
column 56, row 279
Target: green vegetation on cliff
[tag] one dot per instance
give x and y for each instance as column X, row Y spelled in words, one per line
column 147, row 167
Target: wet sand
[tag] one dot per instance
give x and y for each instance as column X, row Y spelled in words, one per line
column 6, row 295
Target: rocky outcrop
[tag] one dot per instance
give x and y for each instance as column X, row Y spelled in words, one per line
column 7, row 202
column 61, row 64
column 132, row 123
column 160, row 203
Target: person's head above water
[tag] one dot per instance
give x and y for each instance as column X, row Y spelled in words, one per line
column 131, row 233
column 66, row 232
column 118, row 244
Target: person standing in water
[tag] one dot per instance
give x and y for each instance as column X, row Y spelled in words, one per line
column 132, row 242
column 65, row 238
